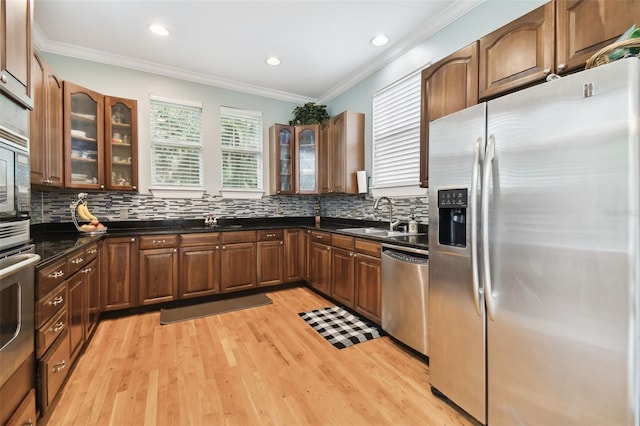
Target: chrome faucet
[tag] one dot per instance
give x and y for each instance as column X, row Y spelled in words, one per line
column 392, row 224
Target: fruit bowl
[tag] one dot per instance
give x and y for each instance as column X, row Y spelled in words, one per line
column 79, row 210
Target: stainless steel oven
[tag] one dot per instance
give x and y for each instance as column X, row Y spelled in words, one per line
column 15, row 193
column 17, row 274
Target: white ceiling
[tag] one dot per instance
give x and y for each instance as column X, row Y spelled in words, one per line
column 324, row 45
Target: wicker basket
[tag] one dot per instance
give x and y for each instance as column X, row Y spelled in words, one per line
column 601, row 57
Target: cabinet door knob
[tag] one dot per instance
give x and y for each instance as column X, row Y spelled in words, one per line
column 101, row 186
column 175, row 250
column 281, row 242
column 3, row 78
column 133, row 187
column 133, row 240
column 224, row 247
column 546, row 71
column 562, row 67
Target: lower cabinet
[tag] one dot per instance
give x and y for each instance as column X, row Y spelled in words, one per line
column 25, row 414
column 92, row 276
column 320, row 267
column 305, row 248
column 158, row 269
column 368, row 301
column 53, row 370
column 77, row 311
column 293, row 252
column 270, row 258
column 199, row 265
column 343, row 276
column 119, row 273
column 238, row 255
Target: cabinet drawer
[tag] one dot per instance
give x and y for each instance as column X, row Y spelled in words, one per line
column 342, row 241
column 368, row 247
column 190, row 240
column 50, row 304
column 321, row 237
column 25, row 414
column 158, row 241
column 238, row 237
column 75, row 261
column 49, row 332
column 54, row 368
column 50, row 277
column 91, row 251
column 271, row 235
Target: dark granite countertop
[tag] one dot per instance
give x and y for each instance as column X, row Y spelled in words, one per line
column 58, row 239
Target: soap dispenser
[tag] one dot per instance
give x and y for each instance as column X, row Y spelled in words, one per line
column 413, row 225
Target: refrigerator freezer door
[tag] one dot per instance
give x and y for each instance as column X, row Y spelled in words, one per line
column 563, row 243
column 456, row 320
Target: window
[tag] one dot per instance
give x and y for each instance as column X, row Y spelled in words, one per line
column 176, row 144
column 396, row 134
column 241, row 143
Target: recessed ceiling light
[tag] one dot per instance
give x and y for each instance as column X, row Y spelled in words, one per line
column 158, row 29
column 380, row 40
column 272, row 60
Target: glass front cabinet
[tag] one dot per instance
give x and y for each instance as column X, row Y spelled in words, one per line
column 83, row 140
column 100, row 140
column 121, row 165
column 294, row 159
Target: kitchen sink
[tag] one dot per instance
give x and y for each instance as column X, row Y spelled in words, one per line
column 375, row 232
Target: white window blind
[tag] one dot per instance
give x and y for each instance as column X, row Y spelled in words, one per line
column 241, row 143
column 176, row 143
column 396, row 133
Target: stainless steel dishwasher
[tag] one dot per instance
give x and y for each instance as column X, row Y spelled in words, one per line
column 405, row 295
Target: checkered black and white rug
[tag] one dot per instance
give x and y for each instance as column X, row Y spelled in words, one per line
column 341, row 328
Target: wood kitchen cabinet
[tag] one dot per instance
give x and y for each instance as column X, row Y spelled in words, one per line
column 46, row 141
column 305, row 249
column 294, row 157
column 518, row 54
column 92, row 277
column 100, row 140
column 368, row 297
column 270, row 257
column 77, row 314
column 119, row 273
column 158, row 269
column 238, row 256
column 199, row 265
column 16, row 23
column 341, row 153
column 320, row 261
column 449, row 85
column 293, row 252
column 343, row 270
column 121, row 144
column 585, row 26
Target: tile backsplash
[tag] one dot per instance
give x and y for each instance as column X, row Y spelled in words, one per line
column 47, row 207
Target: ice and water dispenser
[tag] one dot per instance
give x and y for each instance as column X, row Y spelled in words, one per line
column 452, row 210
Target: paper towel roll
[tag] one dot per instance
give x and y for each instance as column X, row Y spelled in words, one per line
column 361, row 176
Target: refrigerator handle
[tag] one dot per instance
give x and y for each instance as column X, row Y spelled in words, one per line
column 474, row 227
column 490, row 154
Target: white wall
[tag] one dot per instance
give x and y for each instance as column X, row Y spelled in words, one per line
column 126, row 83
column 480, row 21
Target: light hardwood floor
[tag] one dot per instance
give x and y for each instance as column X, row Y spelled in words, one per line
column 259, row 366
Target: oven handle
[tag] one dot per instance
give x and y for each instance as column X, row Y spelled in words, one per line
column 27, row 261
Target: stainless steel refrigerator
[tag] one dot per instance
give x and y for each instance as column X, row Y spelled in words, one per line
column 534, row 297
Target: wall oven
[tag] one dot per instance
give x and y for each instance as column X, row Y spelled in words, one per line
column 15, row 193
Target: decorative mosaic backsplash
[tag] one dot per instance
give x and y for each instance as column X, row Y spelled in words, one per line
column 47, row 207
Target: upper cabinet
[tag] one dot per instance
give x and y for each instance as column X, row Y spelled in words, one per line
column 314, row 159
column 449, row 85
column 16, row 21
column 585, row 26
column 518, row 54
column 557, row 38
column 341, row 153
column 100, row 140
column 121, row 117
column 307, row 157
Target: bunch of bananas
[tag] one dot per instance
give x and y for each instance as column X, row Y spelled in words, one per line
column 84, row 213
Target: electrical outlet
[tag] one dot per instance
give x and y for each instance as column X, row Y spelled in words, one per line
column 278, row 209
column 124, row 213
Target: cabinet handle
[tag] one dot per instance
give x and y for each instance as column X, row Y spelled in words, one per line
column 271, row 235
column 58, row 327
column 29, row 422
column 562, row 67
column 56, row 274
column 133, row 187
column 87, row 270
column 546, row 71
column 281, row 242
column 159, row 241
column 78, row 260
column 92, row 251
column 224, row 247
column 56, row 301
column 133, row 240
column 175, row 250
column 217, row 247
column 101, row 186
column 59, row 366
column 3, row 78
column 328, row 248
column 319, row 237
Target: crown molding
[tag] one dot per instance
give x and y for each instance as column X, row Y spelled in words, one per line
column 44, row 45
column 430, row 27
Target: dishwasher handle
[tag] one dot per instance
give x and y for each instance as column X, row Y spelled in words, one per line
column 403, row 256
